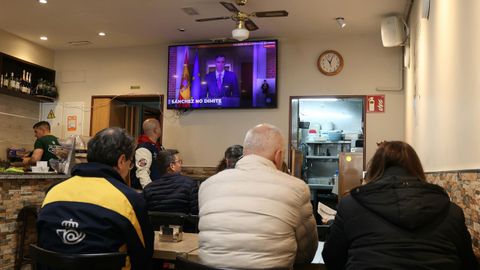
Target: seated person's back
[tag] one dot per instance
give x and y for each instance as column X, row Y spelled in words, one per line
column 254, row 216
column 172, row 192
column 398, row 220
column 95, row 211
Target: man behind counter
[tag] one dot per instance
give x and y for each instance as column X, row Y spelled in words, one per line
column 44, row 148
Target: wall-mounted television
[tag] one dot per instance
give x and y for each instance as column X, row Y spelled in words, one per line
column 222, row 75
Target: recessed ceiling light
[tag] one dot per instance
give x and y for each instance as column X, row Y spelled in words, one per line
column 44, row 38
column 181, row 29
column 42, row 1
column 102, row 34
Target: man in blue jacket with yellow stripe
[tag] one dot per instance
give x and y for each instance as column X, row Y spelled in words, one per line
column 95, row 211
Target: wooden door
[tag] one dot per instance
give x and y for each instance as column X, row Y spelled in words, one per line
column 100, row 118
column 350, row 172
column 117, row 114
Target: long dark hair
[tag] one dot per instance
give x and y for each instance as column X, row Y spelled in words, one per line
column 394, row 153
column 231, row 156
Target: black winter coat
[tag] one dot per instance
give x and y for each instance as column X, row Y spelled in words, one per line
column 398, row 222
column 172, row 193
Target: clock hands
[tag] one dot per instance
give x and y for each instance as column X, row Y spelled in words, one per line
column 330, row 60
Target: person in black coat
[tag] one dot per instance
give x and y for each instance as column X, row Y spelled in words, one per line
column 172, row 192
column 397, row 220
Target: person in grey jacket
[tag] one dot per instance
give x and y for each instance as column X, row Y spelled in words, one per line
column 254, row 216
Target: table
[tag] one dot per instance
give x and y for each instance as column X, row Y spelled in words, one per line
column 170, row 250
column 188, row 248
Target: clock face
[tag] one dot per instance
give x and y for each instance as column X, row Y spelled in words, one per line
column 330, row 63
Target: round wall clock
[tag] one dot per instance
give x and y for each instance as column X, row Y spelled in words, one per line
column 330, row 63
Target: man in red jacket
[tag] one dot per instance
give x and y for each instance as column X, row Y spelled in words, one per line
column 146, row 167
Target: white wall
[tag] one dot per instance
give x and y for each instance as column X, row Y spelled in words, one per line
column 25, row 50
column 202, row 136
column 442, row 85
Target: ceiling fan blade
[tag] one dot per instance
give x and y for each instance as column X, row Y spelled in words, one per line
column 231, row 7
column 272, row 13
column 250, row 25
column 213, row 19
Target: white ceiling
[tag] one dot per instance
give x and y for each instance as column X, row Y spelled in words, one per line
column 143, row 22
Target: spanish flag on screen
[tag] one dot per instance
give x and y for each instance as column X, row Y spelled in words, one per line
column 196, row 81
column 185, row 83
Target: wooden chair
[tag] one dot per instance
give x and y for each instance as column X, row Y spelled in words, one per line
column 55, row 260
column 26, row 219
column 323, row 231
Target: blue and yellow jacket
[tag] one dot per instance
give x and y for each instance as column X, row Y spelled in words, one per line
column 93, row 212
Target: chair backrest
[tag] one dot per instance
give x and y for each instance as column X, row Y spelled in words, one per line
column 97, row 261
column 323, row 231
column 189, row 222
column 182, row 263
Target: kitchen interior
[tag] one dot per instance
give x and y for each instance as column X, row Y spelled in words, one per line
column 327, row 137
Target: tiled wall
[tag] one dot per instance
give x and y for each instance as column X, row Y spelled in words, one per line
column 15, row 194
column 464, row 190
column 198, row 173
column 17, row 131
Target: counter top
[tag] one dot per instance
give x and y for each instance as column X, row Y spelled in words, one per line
column 33, row 176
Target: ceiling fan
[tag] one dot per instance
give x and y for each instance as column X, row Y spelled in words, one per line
column 242, row 19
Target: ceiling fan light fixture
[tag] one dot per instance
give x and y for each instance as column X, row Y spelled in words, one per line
column 240, row 33
column 341, row 22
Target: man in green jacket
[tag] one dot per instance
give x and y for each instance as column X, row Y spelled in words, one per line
column 44, row 148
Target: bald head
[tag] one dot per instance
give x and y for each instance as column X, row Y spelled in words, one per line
column 264, row 140
column 151, row 128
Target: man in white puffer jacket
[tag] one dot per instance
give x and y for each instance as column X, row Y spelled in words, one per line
column 255, row 216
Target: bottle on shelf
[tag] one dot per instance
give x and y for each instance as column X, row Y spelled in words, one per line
column 1, row 80
column 6, row 80
column 11, row 82
column 17, row 84
column 39, row 87
column 27, row 82
column 22, row 83
column 30, row 86
column 335, row 183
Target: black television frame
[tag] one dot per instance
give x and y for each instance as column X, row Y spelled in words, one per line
column 225, row 108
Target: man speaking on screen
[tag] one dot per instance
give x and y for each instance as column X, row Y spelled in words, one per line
column 221, row 83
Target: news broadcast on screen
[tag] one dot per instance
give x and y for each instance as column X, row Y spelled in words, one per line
column 223, row 75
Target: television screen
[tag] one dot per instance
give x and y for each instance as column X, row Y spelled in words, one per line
column 223, row 75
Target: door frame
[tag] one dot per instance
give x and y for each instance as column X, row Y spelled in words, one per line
column 364, row 117
column 130, row 98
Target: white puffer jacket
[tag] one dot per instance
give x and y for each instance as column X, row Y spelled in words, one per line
column 255, row 216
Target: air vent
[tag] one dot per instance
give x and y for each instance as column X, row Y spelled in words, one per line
column 219, row 40
column 190, row 11
column 80, row 43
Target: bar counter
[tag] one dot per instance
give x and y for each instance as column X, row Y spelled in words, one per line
column 16, row 191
